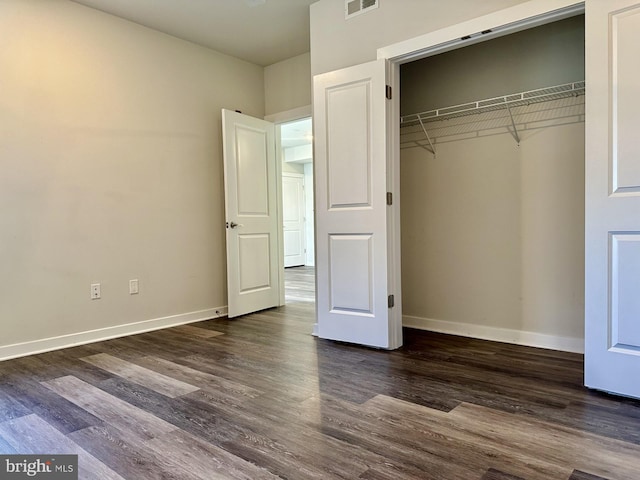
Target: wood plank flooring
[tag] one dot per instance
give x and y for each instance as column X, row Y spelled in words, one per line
column 299, row 284
column 259, row 398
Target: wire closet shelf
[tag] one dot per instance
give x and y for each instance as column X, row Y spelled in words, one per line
column 556, row 92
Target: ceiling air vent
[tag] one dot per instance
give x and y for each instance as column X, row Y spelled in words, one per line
column 356, row 7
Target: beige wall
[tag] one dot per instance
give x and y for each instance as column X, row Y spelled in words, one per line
column 287, row 84
column 111, row 169
column 338, row 43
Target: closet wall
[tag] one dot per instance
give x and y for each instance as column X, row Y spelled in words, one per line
column 493, row 232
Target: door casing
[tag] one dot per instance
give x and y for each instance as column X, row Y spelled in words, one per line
column 278, row 119
column 504, row 22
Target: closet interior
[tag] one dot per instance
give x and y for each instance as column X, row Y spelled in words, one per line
column 492, row 186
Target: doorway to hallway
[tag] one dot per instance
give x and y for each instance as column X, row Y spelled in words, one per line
column 300, row 284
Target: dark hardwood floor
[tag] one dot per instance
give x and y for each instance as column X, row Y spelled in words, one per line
column 300, row 284
column 258, row 397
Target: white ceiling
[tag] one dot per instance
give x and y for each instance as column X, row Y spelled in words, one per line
column 296, row 133
column 262, row 32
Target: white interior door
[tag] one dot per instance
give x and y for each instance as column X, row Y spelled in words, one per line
column 293, row 219
column 612, row 267
column 350, row 132
column 251, row 213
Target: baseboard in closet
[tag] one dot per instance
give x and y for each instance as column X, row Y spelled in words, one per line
column 506, row 335
column 81, row 338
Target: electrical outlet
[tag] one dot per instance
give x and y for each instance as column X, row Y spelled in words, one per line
column 134, row 287
column 95, row 291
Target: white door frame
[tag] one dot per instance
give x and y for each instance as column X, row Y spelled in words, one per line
column 278, row 119
column 504, row 22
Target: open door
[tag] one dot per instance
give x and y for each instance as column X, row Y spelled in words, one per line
column 612, row 266
column 251, row 213
column 350, row 137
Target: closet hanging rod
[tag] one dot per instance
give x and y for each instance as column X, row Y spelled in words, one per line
column 546, row 94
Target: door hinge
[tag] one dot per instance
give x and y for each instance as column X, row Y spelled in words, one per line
column 388, row 92
column 389, row 198
column 391, row 301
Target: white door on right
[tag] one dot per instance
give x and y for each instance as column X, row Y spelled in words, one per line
column 612, row 169
column 353, row 264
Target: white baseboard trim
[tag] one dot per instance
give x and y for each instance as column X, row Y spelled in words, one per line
column 8, row 352
column 506, row 335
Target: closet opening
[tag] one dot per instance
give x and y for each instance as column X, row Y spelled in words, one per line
column 492, row 188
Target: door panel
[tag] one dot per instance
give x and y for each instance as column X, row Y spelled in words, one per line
column 351, row 256
column 625, row 25
column 625, row 301
column 293, row 253
column 253, row 254
column 349, row 150
column 252, row 189
column 612, row 265
column 350, row 132
column 251, row 213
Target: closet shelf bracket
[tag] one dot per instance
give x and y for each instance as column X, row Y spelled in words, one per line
column 424, row 129
column 513, row 125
